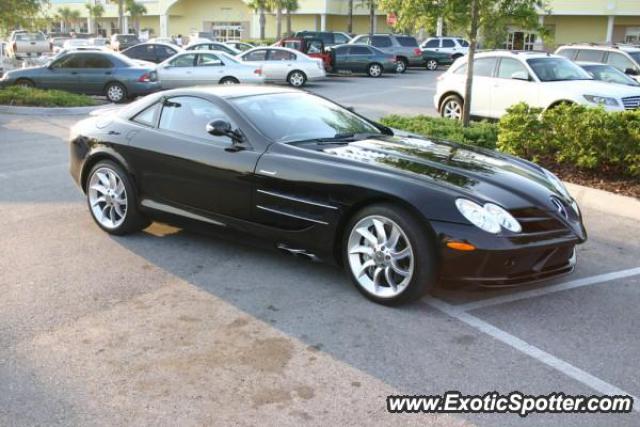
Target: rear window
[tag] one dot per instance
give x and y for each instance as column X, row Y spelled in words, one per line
column 407, row 41
column 30, row 37
column 381, row 41
column 567, row 53
column 463, row 42
column 448, row 43
column 590, row 55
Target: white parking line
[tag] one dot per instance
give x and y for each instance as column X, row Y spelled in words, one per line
column 542, row 356
column 587, row 281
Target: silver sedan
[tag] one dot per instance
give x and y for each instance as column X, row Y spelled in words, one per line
column 285, row 65
column 191, row 68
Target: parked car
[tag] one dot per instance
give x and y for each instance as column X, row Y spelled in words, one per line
column 57, row 42
column 433, row 59
column 93, row 73
column 23, row 44
column 329, row 38
column 240, row 46
column 209, row 45
column 454, row 46
column 311, row 47
column 624, row 58
column 404, row 48
column 206, row 67
column 361, row 58
column 121, row 42
column 400, row 213
column 607, row 73
column 74, row 43
column 282, row 64
column 502, row 79
column 167, row 40
column 152, row 52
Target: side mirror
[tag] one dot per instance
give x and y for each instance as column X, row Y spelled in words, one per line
column 219, row 128
column 520, row 75
column 631, row 71
column 350, row 108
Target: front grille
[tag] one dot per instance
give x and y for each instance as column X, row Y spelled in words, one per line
column 631, row 103
column 538, row 224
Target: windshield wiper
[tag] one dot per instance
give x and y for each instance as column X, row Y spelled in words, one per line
column 339, row 138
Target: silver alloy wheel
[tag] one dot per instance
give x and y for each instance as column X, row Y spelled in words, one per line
column 452, row 109
column 107, row 198
column 115, row 93
column 380, row 256
column 24, row 83
column 229, row 82
column 375, row 70
column 401, row 67
column 296, row 79
column 432, row 64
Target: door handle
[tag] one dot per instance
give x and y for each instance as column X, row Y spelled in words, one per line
column 114, row 132
column 108, row 73
column 74, row 72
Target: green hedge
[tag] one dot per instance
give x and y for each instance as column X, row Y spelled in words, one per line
column 21, row 96
column 587, row 138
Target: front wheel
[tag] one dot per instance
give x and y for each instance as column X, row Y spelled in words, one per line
column 26, row 83
column 112, row 199
column 403, row 64
column 452, row 107
column 374, row 70
column 115, row 92
column 229, row 81
column 432, row 65
column 389, row 255
column 297, row 78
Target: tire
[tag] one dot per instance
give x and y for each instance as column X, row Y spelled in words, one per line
column 297, row 78
column 112, row 199
column 385, row 272
column 451, row 107
column 432, row 65
column 229, row 81
column 374, row 70
column 24, row 83
column 403, row 64
column 115, row 92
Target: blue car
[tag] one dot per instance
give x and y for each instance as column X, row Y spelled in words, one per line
column 89, row 72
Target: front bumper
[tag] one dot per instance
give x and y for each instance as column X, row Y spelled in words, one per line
column 503, row 261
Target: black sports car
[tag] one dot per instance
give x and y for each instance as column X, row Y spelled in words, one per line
column 398, row 211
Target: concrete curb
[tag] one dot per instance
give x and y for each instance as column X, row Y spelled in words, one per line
column 604, row 201
column 51, row 111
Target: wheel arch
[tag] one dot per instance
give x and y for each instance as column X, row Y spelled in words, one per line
column 299, row 71
column 557, row 103
column 445, row 95
column 98, row 156
column 104, row 88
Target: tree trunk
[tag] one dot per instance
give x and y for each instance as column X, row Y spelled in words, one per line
column 279, row 23
column 288, row 23
column 263, row 21
column 372, row 17
column 350, row 17
column 121, row 17
column 473, row 42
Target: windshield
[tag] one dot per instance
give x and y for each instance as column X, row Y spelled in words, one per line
column 29, row 37
column 288, row 117
column 557, row 69
column 609, row 74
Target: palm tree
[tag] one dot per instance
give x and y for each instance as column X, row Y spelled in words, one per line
column 291, row 6
column 95, row 11
column 277, row 5
column 350, row 17
column 261, row 7
column 64, row 14
column 74, row 16
column 135, row 10
column 120, row 16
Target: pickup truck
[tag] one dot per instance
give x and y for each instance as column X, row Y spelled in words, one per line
column 310, row 46
column 23, row 44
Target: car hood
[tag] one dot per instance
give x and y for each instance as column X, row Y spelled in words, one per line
column 594, row 87
column 476, row 173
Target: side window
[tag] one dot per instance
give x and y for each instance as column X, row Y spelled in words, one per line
column 184, row 60
column 340, row 38
column 135, row 51
column 463, row 42
column 510, row 67
column 200, row 47
column 590, row 55
column 208, row 60
column 315, row 46
column 363, row 40
column 448, row 43
column 342, row 50
column 381, row 41
column 71, row 61
column 256, row 55
column 483, row 67
column 432, row 44
column 619, row 61
column 568, row 53
column 360, row 50
column 190, row 116
column 281, row 55
column 97, row 61
column 148, row 116
column 164, row 51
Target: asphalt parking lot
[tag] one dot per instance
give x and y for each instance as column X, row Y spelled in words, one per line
column 170, row 324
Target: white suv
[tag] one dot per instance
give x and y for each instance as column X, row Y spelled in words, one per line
column 502, row 79
column 454, row 46
column 624, row 58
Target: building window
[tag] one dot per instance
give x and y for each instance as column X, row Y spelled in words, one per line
column 227, row 31
column 632, row 35
column 519, row 40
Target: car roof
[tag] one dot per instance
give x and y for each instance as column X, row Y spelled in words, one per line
column 517, row 54
column 616, row 48
column 231, row 91
column 172, row 46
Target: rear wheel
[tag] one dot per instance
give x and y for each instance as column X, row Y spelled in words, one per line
column 115, row 92
column 403, row 64
column 297, row 78
column 229, row 81
column 452, row 107
column 112, row 199
column 374, row 70
column 25, row 83
column 432, row 65
column 389, row 256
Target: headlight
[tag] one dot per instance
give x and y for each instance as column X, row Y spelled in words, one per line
column 601, row 100
column 503, row 217
column 557, row 184
column 478, row 216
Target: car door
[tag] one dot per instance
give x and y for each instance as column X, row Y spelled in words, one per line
column 177, row 72
column 622, row 63
column 96, row 72
column 179, row 164
column 448, row 46
column 483, row 69
column 209, row 69
column 258, row 57
column 433, row 44
column 63, row 73
column 342, row 58
column 359, row 58
column 279, row 64
column 384, row 43
column 513, row 84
